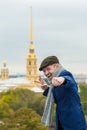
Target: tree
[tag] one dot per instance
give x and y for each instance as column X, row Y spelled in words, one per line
column 24, row 119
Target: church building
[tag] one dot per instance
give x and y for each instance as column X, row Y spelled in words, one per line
column 31, row 59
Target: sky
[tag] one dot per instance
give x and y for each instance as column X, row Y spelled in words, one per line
column 59, row 28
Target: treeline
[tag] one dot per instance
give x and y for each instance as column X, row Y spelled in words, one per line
column 21, row 109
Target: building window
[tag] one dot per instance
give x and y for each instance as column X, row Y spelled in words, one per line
column 29, row 63
column 29, row 72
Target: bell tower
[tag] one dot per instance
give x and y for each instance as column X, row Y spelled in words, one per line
column 31, row 60
column 4, row 71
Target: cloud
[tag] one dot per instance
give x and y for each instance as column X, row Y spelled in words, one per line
column 59, row 27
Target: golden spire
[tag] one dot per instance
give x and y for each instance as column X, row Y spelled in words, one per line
column 31, row 28
column 31, row 47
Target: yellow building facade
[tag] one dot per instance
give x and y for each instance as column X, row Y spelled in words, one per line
column 31, row 59
column 4, row 71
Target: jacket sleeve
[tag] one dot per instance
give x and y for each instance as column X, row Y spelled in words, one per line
column 46, row 92
column 69, row 80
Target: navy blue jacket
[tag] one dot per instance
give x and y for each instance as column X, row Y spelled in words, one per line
column 68, row 106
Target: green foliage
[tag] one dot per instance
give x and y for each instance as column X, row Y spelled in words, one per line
column 26, row 119
column 23, row 98
column 83, row 97
column 39, row 104
column 83, row 92
column 21, row 109
column 4, row 107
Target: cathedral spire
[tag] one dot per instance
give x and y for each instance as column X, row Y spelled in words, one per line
column 31, row 28
column 31, row 47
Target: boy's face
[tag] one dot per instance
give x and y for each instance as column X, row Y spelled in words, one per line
column 49, row 70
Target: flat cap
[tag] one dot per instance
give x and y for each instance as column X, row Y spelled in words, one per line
column 48, row 61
